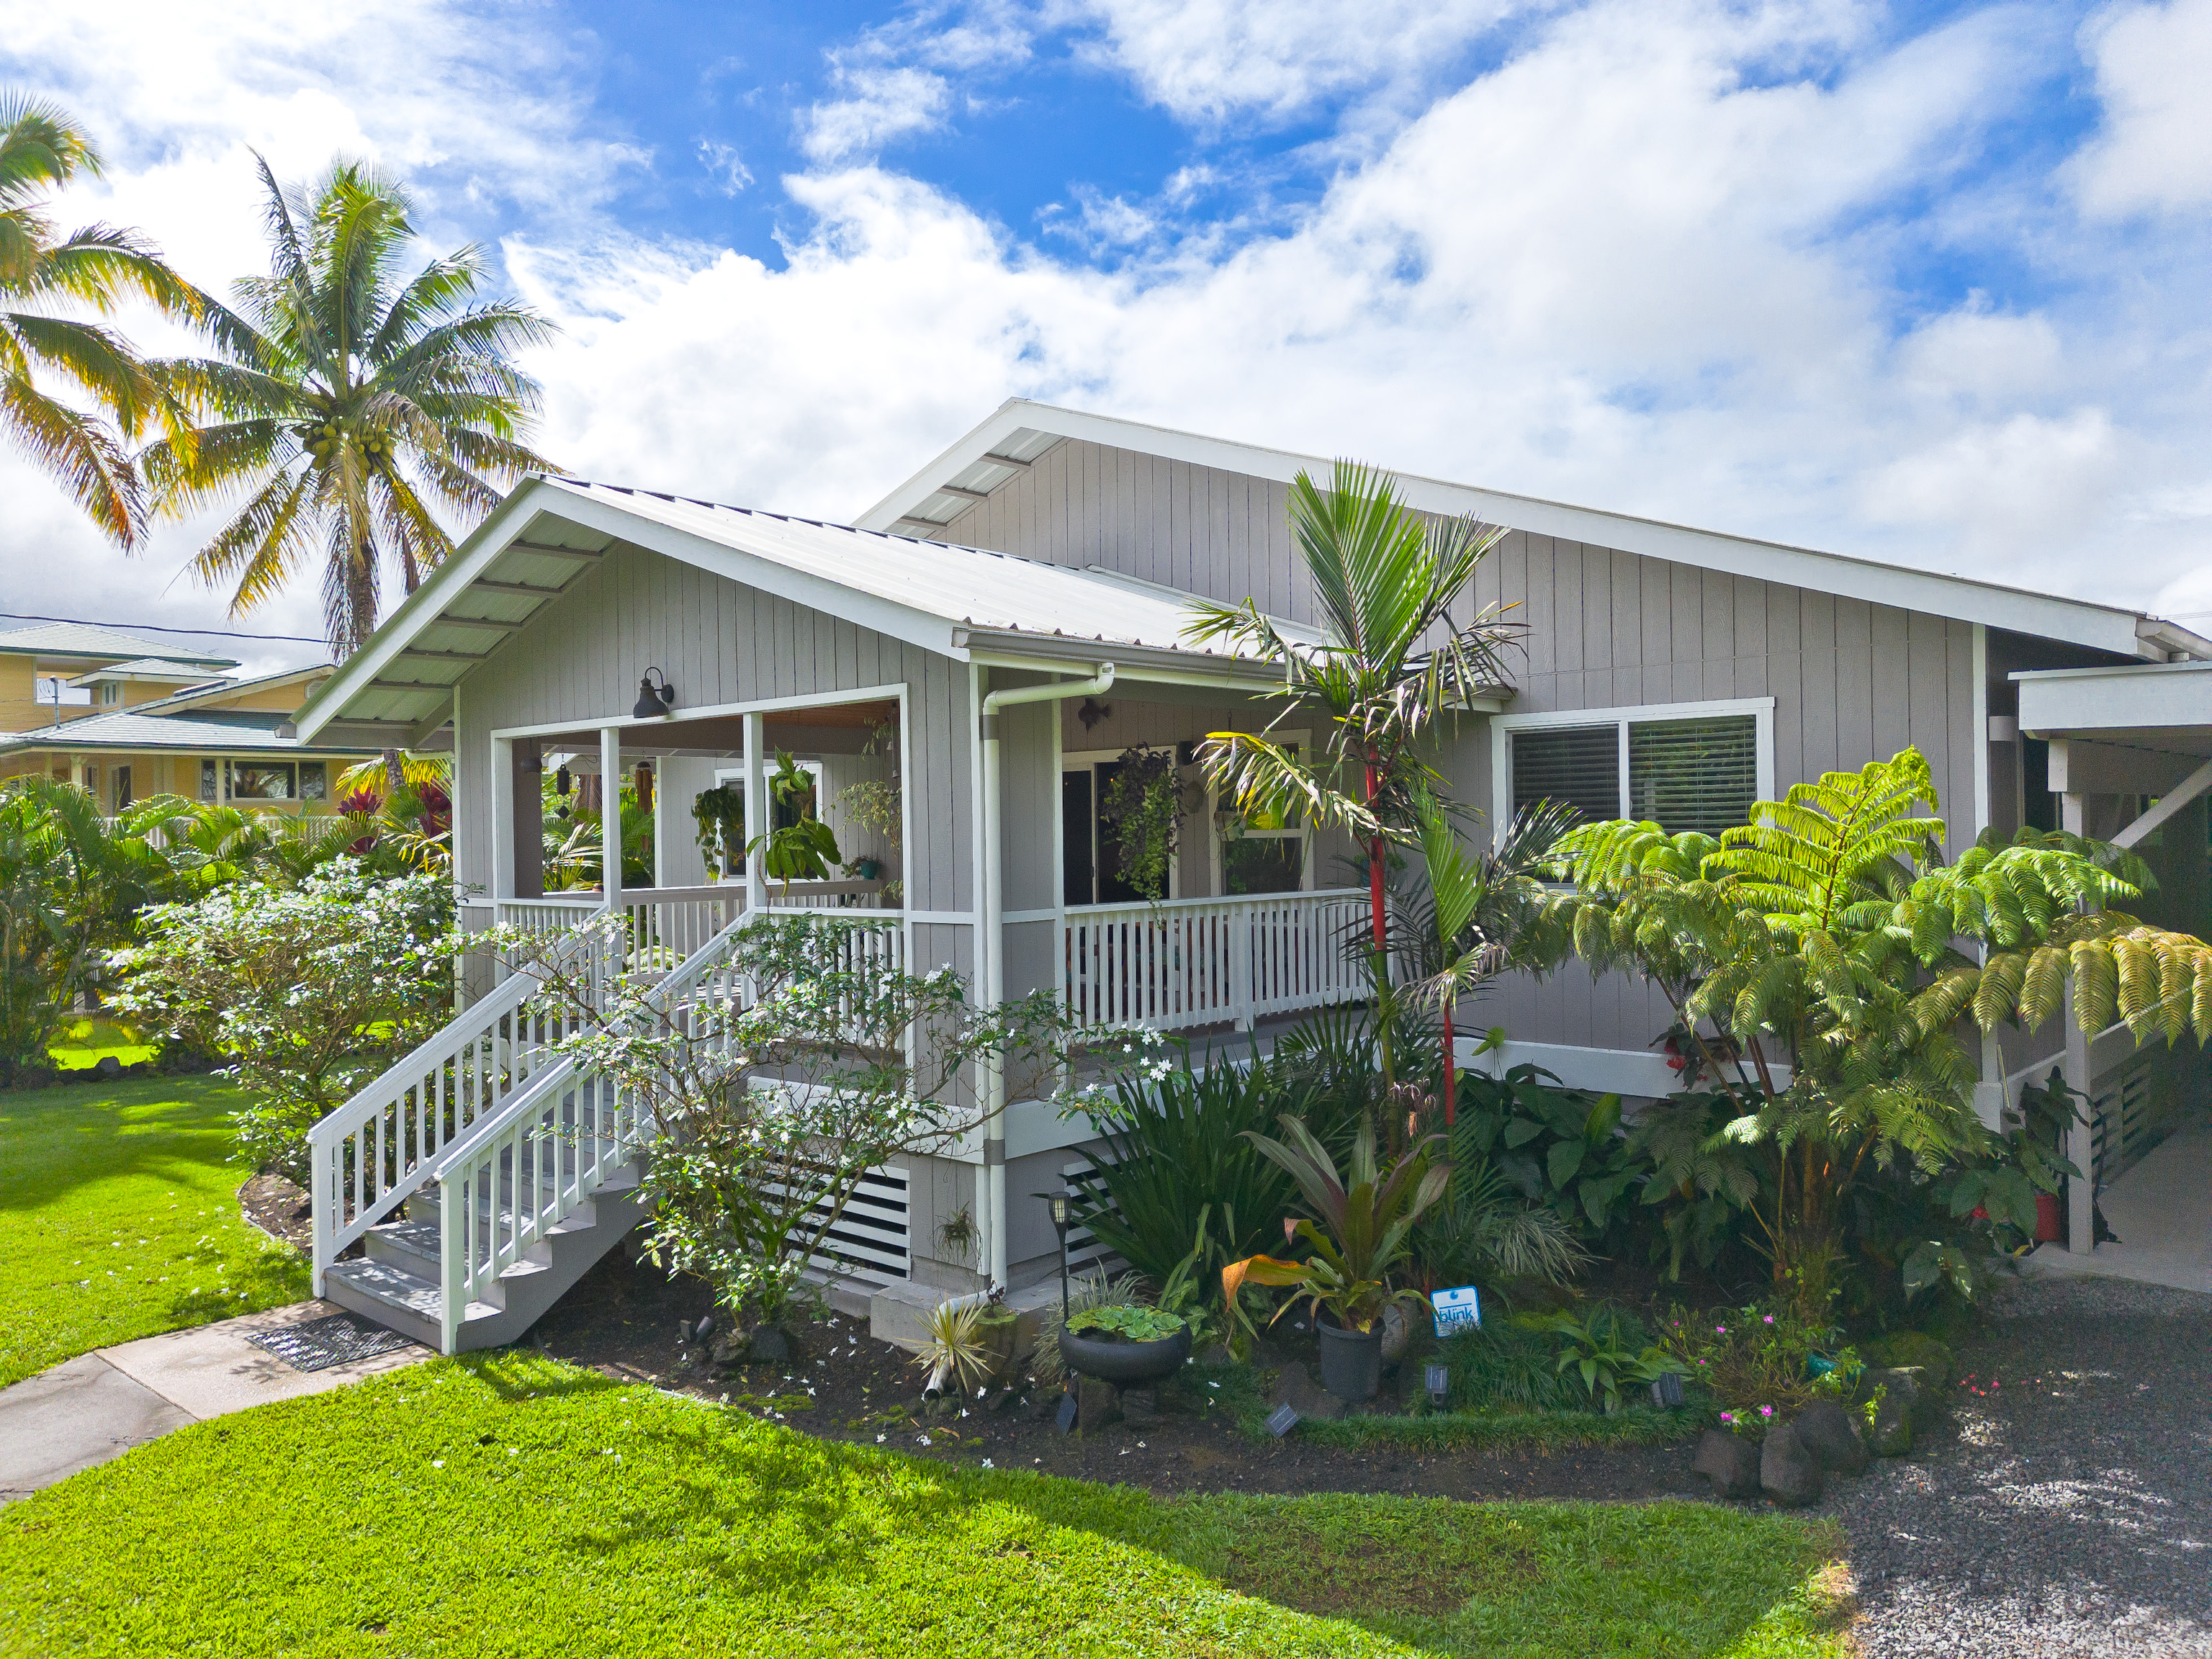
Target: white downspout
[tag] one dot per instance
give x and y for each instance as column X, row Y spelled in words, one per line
column 994, row 972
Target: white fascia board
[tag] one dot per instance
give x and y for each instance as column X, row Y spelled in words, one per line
column 400, row 628
column 770, row 575
column 2044, row 616
column 2121, row 697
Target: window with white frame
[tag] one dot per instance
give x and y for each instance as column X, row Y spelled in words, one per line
column 1261, row 852
column 1683, row 766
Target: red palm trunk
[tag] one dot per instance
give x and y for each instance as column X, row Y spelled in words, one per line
column 1450, row 1092
column 1375, row 863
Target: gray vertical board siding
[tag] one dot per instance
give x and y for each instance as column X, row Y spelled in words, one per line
column 1028, row 780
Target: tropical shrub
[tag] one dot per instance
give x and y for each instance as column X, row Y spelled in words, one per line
column 1508, row 1363
column 1360, row 1230
column 1820, row 936
column 1700, row 1183
column 1561, row 1147
column 1605, row 1350
column 70, row 887
column 309, row 991
column 1484, row 1232
column 1176, row 1160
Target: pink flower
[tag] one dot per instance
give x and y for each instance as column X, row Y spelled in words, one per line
column 1770, row 1319
column 1720, row 1330
column 1766, row 1411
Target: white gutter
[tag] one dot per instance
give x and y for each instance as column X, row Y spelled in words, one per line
column 994, row 971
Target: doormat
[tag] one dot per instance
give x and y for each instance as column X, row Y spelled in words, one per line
column 334, row 1340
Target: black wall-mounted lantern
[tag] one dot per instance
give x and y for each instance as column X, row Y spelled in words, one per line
column 653, row 701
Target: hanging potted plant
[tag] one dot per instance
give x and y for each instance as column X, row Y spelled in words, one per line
column 1142, row 807
column 1362, row 1230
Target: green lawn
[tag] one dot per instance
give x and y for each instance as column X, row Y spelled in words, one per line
column 84, row 1044
column 118, row 1219
column 509, row 1506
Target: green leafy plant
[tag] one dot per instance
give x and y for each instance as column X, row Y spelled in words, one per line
column 310, row 991
column 1176, row 1155
column 1366, row 1219
column 1130, row 1324
column 1142, row 807
column 1603, row 1350
column 718, row 819
column 1561, row 1147
column 1702, row 1182
column 803, row 849
column 1764, row 1355
column 958, row 1351
column 1392, row 664
column 1821, row 935
column 1483, row 1231
column 1085, row 1291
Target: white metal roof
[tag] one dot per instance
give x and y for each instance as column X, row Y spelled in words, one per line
column 149, row 668
column 999, row 449
column 131, row 730
column 950, row 599
column 83, row 640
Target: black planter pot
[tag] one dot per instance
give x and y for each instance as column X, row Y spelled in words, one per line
column 1351, row 1361
column 1124, row 1363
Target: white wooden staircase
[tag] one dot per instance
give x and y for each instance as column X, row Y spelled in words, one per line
column 483, row 1174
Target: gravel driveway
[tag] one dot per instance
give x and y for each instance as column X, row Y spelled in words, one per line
column 2068, row 1509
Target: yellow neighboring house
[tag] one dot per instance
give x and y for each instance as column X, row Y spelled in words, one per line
column 158, row 720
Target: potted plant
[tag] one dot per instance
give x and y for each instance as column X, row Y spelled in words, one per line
column 1365, row 1220
column 1125, row 1344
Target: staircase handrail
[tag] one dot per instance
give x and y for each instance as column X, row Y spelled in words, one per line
column 415, row 1092
column 507, row 1131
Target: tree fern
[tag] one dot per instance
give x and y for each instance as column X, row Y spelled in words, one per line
column 1828, row 936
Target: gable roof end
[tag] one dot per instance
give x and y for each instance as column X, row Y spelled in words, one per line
column 1019, row 427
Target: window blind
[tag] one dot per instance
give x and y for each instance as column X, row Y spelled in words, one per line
column 1579, row 765
column 1694, row 775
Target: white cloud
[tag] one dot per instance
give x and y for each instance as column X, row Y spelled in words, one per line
column 879, row 104
column 2154, row 64
column 1646, row 262
column 1208, row 62
column 725, row 165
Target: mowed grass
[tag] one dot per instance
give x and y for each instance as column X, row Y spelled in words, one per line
column 84, row 1044
column 119, row 1219
column 511, row 1505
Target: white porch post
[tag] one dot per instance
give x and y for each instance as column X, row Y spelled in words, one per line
column 2081, row 1137
column 757, row 813
column 611, row 815
column 503, row 807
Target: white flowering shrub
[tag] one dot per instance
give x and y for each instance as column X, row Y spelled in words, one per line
column 769, row 1105
column 309, row 991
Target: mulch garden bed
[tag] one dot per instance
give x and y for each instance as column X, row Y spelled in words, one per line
column 623, row 1320
column 280, row 1208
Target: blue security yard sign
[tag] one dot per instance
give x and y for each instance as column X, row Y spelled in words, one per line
column 1457, row 1310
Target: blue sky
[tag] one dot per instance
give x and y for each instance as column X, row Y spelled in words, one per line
column 1921, row 283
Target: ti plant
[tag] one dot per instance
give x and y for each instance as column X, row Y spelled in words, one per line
column 1365, row 1220
column 1826, row 935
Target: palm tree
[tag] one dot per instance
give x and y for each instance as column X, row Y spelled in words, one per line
column 1395, row 663
column 350, row 404
column 1477, row 906
column 98, row 269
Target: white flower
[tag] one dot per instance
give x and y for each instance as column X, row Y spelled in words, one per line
column 986, row 1462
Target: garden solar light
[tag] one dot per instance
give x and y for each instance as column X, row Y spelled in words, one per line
column 1056, row 1203
column 1437, row 1379
column 652, row 700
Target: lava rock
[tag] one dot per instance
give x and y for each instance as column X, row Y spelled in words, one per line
column 1140, row 1408
column 109, row 1067
column 1295, row 1387
column 1830, row 1435
column 1903, row 1398
column 1098, row 1404
column 769, row 1346
column 1789, row 1472
column 1729, row 1461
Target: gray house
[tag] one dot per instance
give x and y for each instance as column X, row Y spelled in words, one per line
column 993, row 637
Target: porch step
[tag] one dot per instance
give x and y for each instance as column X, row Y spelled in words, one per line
column 398, row 1282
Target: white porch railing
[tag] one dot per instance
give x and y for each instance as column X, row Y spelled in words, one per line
column 367, row 1156
column 1204, row 962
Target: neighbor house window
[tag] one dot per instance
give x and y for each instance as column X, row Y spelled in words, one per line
column 207, row 785
column 261, row 780
column 1687, row 767
column 111, row 691
column 314, row 783
column 123, row 795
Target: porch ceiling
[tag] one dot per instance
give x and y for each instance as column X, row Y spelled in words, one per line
column 831, row 729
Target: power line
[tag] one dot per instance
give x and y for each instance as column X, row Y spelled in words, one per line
column 156, row 628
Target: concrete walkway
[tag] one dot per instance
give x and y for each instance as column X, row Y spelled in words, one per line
column 2162, row 1212
column 100, row 1404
